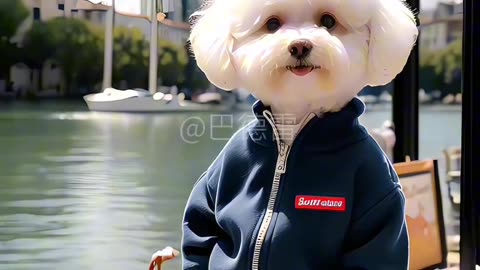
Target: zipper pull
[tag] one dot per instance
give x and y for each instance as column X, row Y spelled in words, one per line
column 282, row 162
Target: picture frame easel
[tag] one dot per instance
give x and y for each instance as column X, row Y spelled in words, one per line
column 424, row 214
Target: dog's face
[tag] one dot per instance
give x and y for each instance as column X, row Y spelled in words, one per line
column 303, row 53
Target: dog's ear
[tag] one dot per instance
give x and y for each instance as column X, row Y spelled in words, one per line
column 393, row 33
column 211, row 43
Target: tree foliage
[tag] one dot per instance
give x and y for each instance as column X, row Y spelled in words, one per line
column 441, row 70
column 12, row 14
column 37, row 48
column 78, row 51
column 172, row 61
column 9, row 55
column 131, row 54
column 452, row 59
column 77, row 47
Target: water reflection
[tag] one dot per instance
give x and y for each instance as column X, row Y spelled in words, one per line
column 93, row 190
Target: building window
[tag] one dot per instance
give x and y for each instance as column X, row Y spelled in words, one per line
column 61, row 6
column 36, row 14
column 88, row 14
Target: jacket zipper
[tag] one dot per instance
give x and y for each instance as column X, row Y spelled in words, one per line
column 283, row 152
column 280, row 168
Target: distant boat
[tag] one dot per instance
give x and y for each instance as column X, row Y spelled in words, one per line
column 458, row 98
column 139, row 100
column 452, row 99
column 385, row 97
column 209, row 98
column 423, row 97
column 368, row 99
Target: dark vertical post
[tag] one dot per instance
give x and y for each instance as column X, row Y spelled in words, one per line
column 190, row 71
column 405, row 104
column 186, row 10
column 470, row 174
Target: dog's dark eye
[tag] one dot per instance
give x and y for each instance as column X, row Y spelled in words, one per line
column 327, row 21
column 273, row 24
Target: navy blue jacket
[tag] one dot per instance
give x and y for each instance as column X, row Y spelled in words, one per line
column 336, row 204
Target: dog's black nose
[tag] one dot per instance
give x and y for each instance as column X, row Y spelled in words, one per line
column 300, row 48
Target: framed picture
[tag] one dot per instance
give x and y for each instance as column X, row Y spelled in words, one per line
column 424, row 214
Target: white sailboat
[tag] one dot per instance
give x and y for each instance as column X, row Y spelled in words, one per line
column 138, row 100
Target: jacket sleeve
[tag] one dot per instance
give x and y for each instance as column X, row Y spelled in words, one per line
column 378, row 237
column 200, row 230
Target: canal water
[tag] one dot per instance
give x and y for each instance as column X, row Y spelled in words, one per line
column 89, row 190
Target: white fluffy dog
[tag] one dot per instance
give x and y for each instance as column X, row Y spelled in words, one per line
column 301, row 56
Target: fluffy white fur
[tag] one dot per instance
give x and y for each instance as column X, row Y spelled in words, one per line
column 369, row 46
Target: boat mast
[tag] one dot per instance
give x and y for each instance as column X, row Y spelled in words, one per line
column 153, row 65
column 108, row 52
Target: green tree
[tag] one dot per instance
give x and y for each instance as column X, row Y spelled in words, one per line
column 172, row 61
column 431, row 76
column 131, row 59
column 442, row 69
column 37, row 47
column 9, row 55
column 131, row 55
column 12, row 15
column 91, row 71
column 452, row 58
column 78, row 50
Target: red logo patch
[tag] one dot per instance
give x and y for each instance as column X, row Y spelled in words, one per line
column 321, row 203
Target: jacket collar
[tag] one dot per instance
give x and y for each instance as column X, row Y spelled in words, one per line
column 331, row 130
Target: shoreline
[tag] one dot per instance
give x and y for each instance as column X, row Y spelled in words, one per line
column 422, row 107
column 80, row 102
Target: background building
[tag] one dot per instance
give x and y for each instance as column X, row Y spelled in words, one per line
column 40, row 10
column 173, row 29
column 442, row 25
